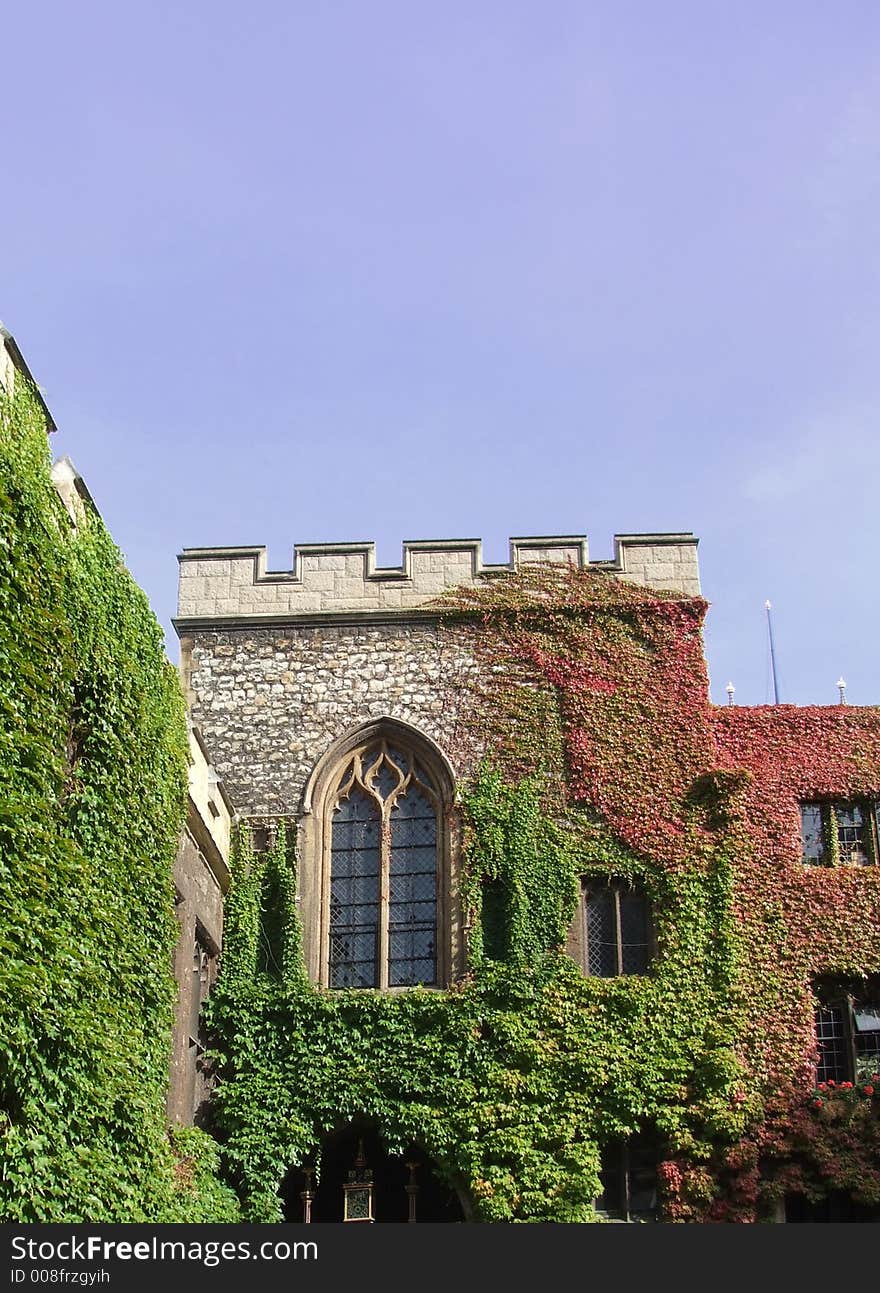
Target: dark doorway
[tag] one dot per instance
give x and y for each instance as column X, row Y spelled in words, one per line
column 434, row 1199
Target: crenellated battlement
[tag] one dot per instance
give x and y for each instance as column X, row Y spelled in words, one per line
column 233, row 584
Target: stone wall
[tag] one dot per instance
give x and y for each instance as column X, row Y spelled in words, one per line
column 271, row 702
column 279, row 668
column 201, row 878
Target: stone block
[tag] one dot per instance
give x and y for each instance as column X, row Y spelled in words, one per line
column 312, row 563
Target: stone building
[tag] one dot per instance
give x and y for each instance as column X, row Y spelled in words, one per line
column 201, row 880
column 201, row 873
column 510, row 894
column 289, row 675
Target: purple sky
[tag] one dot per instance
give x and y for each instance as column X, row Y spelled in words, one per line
column 291, row 272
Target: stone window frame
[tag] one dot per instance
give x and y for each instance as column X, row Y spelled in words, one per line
column 199, row 1077
column 315, row 841
column 578, row 937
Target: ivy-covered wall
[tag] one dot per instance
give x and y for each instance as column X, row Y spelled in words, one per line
column 795, row 923
column 603, row 756
column 92, row 799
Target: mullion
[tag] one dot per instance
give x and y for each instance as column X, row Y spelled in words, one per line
column 384, row 885
column 829, row 829
column 850, row 1034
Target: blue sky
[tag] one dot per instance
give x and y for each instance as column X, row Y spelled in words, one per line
column 292, row 272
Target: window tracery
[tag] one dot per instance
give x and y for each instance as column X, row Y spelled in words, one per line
column 383, row 899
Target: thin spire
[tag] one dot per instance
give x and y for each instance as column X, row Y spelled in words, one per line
column 767, row 608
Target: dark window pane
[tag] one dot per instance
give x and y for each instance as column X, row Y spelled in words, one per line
column 612, row 1176
column 199, row 982
column 412, row 910
column 634, row 935
column 269, row 948
column 494, row 919
column 812, row 839
column 408, row 971
column 866, row 1017
column 354, row 893
column 345, row 890
column 399, row 759
column 601, row 931
column 385, row 780
column 867, row 1055
column 628, row 1173
column 415, row 886
column 411, row 944
column 642, row 1155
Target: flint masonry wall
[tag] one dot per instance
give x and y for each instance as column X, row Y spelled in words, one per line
column 279, row 665
column 271, row 701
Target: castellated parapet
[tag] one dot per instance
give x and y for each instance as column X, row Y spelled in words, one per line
column 228, row 585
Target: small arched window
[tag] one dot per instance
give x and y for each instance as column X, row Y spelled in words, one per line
column 382, row 916
column 616, row 928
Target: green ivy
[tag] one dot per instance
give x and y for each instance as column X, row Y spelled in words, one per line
column 92, row 800
column 513, row 1079
column 524, row 863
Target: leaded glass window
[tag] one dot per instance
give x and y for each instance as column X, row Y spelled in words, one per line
column 843, row 832
column 848, row 1029
column 832, row 1044
column 866, row 1028
column 383, row 872
column 354, row 892
column 852, row 834
column 812, row 834
column 617, row 928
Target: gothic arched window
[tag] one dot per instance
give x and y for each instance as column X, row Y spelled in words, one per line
column 382, row 921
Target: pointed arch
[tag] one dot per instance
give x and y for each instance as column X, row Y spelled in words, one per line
column 392, row 729
column 380, row 845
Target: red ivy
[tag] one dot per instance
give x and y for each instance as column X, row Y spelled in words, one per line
column 642, row 742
